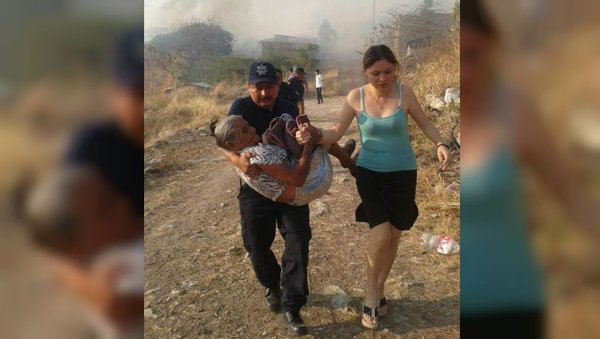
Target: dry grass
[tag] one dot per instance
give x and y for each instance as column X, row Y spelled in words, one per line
column 339, row 81
column 224, row 91
column 185, row 108
column 438, row 68
column 332, row 82
column 437, row 71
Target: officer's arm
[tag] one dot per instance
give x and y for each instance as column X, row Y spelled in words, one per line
column 241, row 161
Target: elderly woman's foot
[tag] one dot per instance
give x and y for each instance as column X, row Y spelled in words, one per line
column 350, row 164
column 349, row 147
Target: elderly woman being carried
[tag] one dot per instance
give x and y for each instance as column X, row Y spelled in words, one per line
column 295, row 180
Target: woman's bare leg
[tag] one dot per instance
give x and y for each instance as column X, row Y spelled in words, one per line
column 377, row 250
column 389, row 259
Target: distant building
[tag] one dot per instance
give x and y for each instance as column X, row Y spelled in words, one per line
column 285, row 45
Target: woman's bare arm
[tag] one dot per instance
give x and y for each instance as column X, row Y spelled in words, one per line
column 415, row 110
column 334, row 133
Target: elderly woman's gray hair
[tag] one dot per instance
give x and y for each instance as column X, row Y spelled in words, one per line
column 224, row 131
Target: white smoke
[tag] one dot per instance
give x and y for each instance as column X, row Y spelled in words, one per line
column 251, row 21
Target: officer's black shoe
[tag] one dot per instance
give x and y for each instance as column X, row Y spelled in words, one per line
column 273, row 299
column 294, row 323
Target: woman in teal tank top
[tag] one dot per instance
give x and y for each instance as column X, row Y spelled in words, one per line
column 387, row 168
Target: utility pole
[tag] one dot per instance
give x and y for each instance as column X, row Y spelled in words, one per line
column 373, row 29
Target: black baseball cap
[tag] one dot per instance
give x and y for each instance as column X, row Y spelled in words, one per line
column 261, row 72
column 300, row 69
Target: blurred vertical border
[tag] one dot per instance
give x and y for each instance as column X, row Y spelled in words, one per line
column 53, row 70
column 550, row 55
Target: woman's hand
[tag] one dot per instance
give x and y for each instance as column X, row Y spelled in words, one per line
column 444, row 156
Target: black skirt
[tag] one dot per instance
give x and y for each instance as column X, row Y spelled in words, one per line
column 387, row 197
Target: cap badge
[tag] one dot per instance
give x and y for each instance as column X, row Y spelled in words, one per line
column 261, row 69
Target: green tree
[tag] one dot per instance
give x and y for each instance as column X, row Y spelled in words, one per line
column 199, row 44
column 282, row 62
column 327, row 35
column 232, row 69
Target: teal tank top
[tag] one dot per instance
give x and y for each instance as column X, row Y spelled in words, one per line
column 384, row 141
column 497, row 269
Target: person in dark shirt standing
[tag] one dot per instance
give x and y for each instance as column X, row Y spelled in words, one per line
column 286, row 92
column 299, row 84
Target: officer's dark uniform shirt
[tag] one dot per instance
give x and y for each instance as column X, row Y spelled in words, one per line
column 260, row 118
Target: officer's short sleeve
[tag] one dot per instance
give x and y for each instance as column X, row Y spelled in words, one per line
column 235, row 108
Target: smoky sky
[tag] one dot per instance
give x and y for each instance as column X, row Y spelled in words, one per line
column 253, row 20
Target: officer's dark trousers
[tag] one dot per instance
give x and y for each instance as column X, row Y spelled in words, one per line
column 259, row 218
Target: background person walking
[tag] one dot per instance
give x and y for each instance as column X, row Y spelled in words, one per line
column 319, row 86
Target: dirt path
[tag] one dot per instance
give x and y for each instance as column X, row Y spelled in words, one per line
column 199, row 282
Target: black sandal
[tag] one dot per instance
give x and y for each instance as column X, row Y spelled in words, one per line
column 372, row 320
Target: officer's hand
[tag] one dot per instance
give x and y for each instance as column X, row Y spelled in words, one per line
column 246, row 167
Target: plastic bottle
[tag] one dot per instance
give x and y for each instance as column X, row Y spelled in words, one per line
column 440, row 244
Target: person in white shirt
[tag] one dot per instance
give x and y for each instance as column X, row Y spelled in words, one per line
column 319, row 86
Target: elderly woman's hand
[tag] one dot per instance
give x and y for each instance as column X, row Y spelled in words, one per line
column 303, row 135
column 444, row 155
